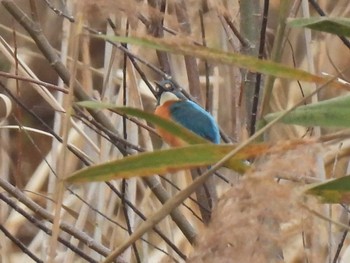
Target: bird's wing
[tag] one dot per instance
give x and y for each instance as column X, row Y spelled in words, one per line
column 196, row 119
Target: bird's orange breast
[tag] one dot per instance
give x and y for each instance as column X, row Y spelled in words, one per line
column 163, row 111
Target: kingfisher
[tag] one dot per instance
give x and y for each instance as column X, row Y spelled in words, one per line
column 173, row 105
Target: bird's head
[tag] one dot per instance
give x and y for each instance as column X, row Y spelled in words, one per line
column 168, row 91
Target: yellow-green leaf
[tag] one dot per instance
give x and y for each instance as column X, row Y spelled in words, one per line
column 335, row 25
column 159, row 162
column 328, row 113
column 175, row 159
column 185, row 47
column 334, row 191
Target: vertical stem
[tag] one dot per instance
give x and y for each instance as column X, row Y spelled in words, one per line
column 250, row 30
column 309, row 55
column 156, row 29
column 61, row 168
column 256, row 97
column 19, row 116
column 275, row 54
column 208, row 91
column 190, row 61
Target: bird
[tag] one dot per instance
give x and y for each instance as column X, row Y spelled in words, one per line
column 173, row 105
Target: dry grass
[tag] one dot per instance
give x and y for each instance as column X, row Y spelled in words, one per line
column 257, row 218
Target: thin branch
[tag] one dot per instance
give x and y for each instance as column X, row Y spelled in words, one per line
column 164, row 196
column 66, row 227
column 59, row 12
column 294, row 65
column 258, row 75
column 43, row 44
column 319, row 10
column 172, row 184
column 35, row 32
column 111, row 136
column 36, row 117
column 244, row 42
column 133, row 59
column 340, row 245
column 18, row 113
column 44, row 228
column 155, row 28
column 144, row 218
column 250, row 24
column 190, row 62
column 126, row 216
column 125, row 137
column 18, row 242
column 275, row 54
column 71, row 191
column 208, row 91
column 42, row 83
column 34, row 11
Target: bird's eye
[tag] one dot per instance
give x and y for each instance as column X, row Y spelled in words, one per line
column 167, row 86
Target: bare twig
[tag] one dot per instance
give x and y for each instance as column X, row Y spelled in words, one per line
column 208, row 91
column 84, row 238
column 18, row 242
column 59, row 12
column 87, row 163
column 133, row 59
column 250, row 18
column 124, row 183
column 319, row 10
column 190, row 62
column 340, row 245
column 164, row 196
column 42, row 83
column 142, row 216
column 275, row 54
column 44, row 228
column 43, row 44
column 50, row 130
column 244, row 42
column 258, row 75
column 155, row 28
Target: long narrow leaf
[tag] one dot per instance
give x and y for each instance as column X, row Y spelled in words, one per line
column 170, row 126
column 158, row 162
column 171, row 160
column 335, row 191
column 335, row 25
column 185, row 47
column 329, row 113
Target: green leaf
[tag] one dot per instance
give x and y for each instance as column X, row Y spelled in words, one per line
column 329, row 113
column 159, row 162
column 334, row 191
column 185, row 47
column 335, row 25
column 175, row 159
column 170, row 126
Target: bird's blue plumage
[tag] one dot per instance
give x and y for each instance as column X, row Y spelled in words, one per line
column 196, row 119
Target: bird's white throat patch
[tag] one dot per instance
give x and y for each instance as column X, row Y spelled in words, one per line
column 167, row 96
